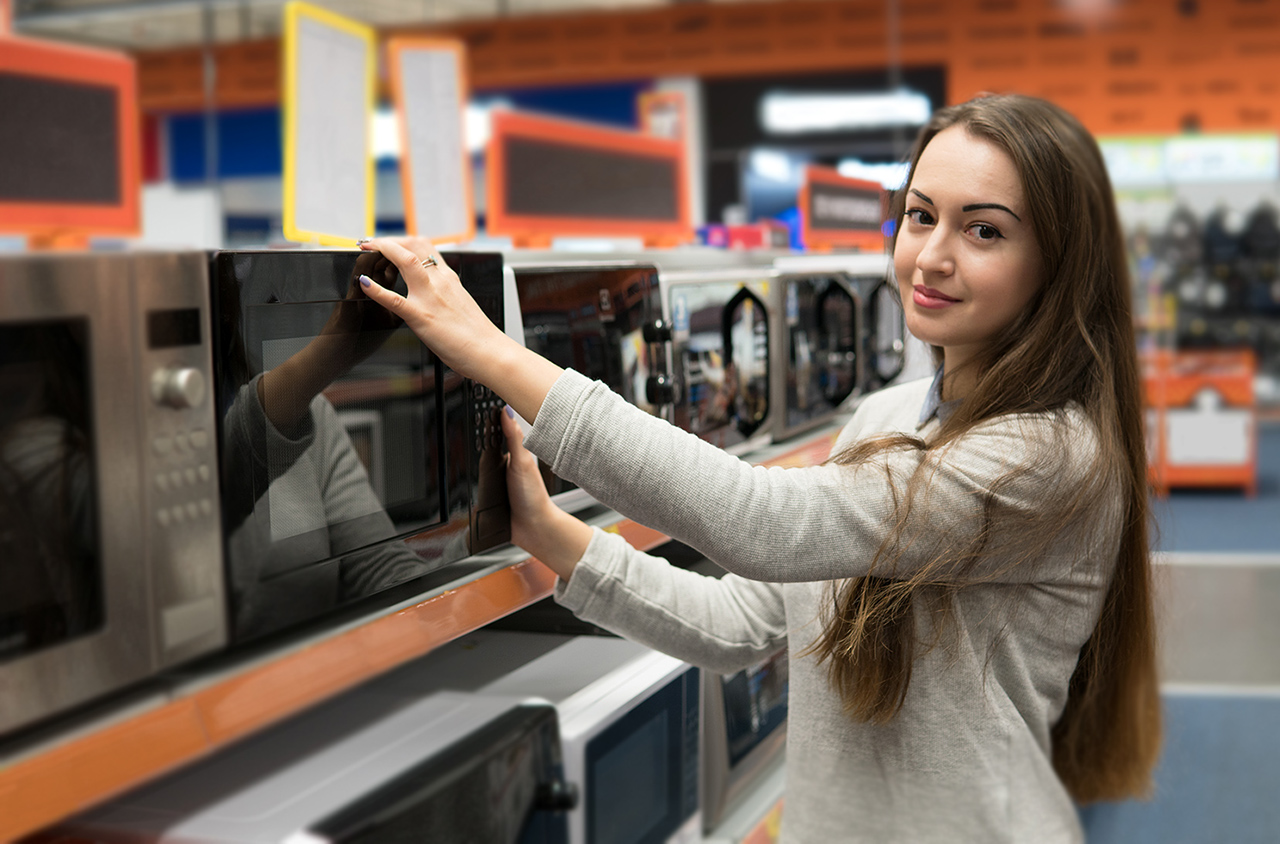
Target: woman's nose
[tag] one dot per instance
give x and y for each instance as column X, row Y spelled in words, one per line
column 935, row 254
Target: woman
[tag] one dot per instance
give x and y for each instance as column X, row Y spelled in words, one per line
column 964, row 588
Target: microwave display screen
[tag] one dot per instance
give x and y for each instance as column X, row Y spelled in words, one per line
column 170, row 329
column 50, row 576
column 755, row 704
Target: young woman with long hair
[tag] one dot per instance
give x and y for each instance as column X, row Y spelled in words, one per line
column 964, row 588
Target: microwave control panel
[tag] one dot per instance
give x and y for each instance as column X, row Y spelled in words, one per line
column 183, row 524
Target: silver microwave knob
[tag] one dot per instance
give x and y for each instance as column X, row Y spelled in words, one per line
column 178, row 388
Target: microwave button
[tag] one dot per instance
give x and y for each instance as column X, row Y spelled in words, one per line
column 658, row 331
column 206, row 506
column 193, row 510
column 162, row 444
column 178, row 514
column 163, row 518
column 203, row 472
column 190, row 475
column 175, row 478
column 178, row 388
column 180, row 441
column 199, row 438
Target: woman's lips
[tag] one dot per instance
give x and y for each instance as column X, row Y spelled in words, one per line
column 927, row 297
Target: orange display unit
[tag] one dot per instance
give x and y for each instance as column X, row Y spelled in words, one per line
column 837, row 212
column 550, row 178
column 1201, row 420
column 70, row 165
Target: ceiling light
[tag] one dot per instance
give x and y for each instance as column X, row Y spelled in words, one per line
column 783, row 113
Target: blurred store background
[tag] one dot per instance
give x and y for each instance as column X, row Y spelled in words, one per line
column 1183, row 96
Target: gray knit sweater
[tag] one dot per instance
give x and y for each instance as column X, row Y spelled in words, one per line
column 968, row 756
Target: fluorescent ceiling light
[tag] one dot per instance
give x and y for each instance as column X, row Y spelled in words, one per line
column 783, row 113
column 891, row 176
column 386, row 134
column 772, row 165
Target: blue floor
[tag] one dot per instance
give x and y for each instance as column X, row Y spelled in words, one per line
column 1218, row 521
column 1218, row 779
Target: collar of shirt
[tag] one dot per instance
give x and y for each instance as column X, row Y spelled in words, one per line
column 934, row 405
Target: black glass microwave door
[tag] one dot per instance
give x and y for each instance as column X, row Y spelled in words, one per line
column 489, row 788
column 837, row 314
column 707, row 408
column 755, row 704
column 326, row 458
column 888, row 333
column 641, row 771
column 51, row 587
column 746, row 338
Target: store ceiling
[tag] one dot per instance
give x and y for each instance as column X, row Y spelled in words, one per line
column 160, row 24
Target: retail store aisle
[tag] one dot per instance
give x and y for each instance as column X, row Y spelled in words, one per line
column 1226, row 521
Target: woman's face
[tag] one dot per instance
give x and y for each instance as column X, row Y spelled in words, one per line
column 966, row 259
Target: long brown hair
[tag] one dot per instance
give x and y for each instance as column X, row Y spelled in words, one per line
column 1073, row 347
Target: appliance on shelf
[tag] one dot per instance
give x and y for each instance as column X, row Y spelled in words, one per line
column 629, row 721
column 352, row 460
column 602, row 318
column 361, row 769
column 110, row 525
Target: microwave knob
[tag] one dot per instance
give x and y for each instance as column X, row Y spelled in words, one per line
column 178, row 388
column 658, row 331
column 660, row 390
column 556, row 796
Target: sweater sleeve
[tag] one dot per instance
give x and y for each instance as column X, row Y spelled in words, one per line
column 822, row 522
column 723, row 624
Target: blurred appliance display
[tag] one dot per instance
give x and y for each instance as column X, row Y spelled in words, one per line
column 629, row 721
column 109, row 511
column 884, row 337
column 605, row 321
column 352, row 460
column 744, row 729
column 820, row 335
column 361, row 769
column 722, row 335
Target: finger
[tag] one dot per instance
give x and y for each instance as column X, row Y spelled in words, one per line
column 388, row 299
column 398, row 253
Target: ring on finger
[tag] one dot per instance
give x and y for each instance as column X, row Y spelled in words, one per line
column 429, row 262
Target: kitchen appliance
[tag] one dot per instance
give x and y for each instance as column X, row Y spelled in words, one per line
column 361, row 769
column 819, row 349
column 603, row 319
column 721, row 344
column 885, row 339
column 352, row 459
column 629, row 722
column 744, row 731
column 109, row 509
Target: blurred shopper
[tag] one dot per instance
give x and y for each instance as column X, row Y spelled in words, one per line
column 965, row 586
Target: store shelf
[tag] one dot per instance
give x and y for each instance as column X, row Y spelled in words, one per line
column 124, row 745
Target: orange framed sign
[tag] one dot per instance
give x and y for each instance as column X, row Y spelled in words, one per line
column 70, row 141
column 429, row 92
column 548, row 177
column 838, row 211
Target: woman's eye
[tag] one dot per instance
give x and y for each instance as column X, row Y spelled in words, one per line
column 920, row 217
column 985, row 232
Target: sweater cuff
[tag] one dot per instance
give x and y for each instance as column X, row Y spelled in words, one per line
column 555, row 417
column 593, row 569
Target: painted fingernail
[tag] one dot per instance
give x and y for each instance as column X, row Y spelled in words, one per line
column 511, row 414
column 365, row 281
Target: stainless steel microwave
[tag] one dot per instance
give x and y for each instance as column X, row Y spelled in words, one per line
column 363, row 769
column 110, row 524
column 352, row 460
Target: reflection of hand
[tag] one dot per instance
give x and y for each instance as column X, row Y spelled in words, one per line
column 537, row 524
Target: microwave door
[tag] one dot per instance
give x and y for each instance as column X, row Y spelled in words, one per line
column 745, row 325
column 837, row 323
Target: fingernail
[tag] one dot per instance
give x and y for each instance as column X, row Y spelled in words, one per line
column 511, row 414
column 362, row 240
column 365, row 281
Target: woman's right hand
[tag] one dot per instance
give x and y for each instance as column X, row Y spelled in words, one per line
column 445, row 317
column 537, row 524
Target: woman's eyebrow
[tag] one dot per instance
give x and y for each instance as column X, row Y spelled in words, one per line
column 922, row 196
column 981, row 205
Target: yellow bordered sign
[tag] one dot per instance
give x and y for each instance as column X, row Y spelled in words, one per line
column 330, row 67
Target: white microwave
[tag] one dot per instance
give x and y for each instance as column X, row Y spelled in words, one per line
column 364, row 768
column 629, row 722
